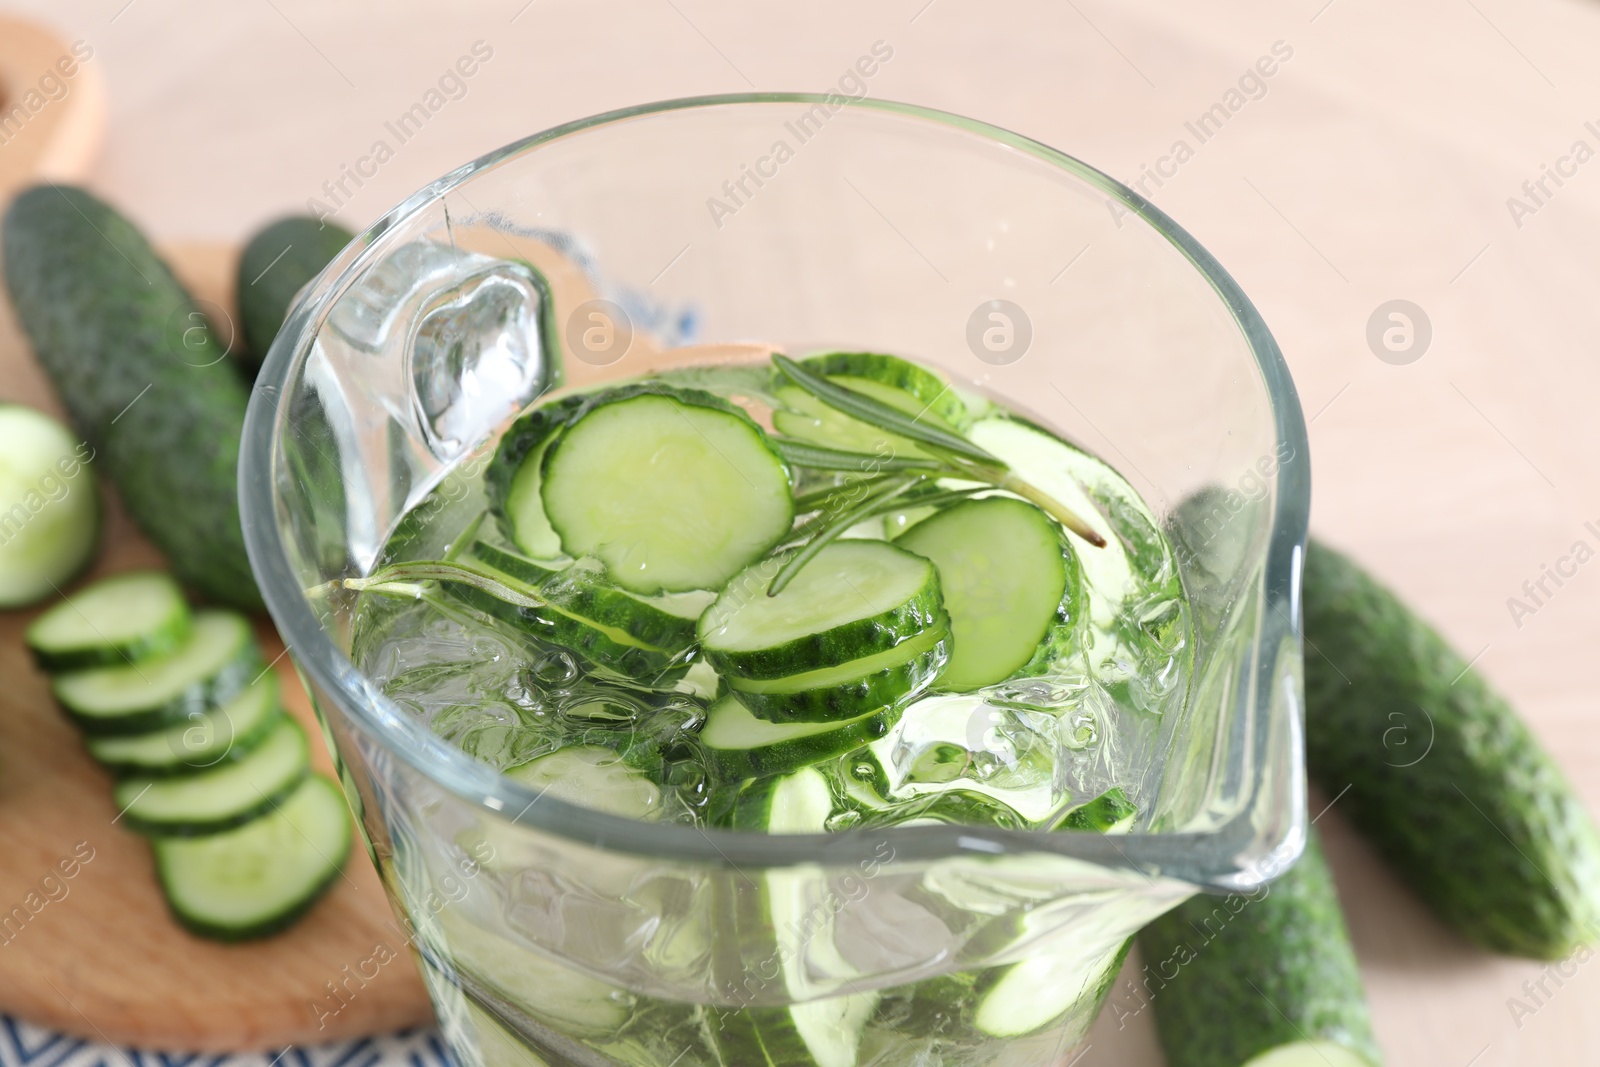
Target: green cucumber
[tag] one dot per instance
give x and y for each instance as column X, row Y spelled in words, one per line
column 514, row 478
column 1011, row 586
column 592, row 777
column 850, row 690
column 217, row 660
column 49, row 506
column 277, row 263
column 1267, row 980
column 144, row 379
column 225, row 733
column 122, row 619
column 600, row 643
column 854, row 598
column 582, row 589
column 672, row 489
column 259, row 878
column 222, row 797
column 913, row 389
column 1109, row 813
column 737, row 744
column 1440, row 774
column 1024, row 998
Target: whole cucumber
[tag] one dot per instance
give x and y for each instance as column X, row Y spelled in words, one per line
column 1264, row 978
column 1443, row 778
column 275, row 266
column 144, row 380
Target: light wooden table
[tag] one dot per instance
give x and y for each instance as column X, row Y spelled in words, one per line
column 1375, row 165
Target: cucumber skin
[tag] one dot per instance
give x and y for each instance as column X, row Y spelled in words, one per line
column 1278, row 971
column 268, row 802
column 883, row 689
column 107, row 322
column 831, row 647
column 732, row 765
column 200, row 697
column 155, row 643
column 527, row 435
column 276, row 264
column 1526, row 885
column 237, row 750
column 575, row 636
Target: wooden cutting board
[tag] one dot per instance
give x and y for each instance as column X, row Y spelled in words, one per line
column 104, row 961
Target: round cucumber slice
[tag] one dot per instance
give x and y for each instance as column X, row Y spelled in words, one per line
column 118, row 620
column 514, row 477
column 915, row 390
column 876, row 372
column 592, row 777
column 226, row 733
column 259, row 878
column 855, row 598
column 738, row 744
column 222, row 797
column 1026, row 997
column 1011, row 586
column 49, row 506
column 218, row 659
column 849, row 690
column 671, row 489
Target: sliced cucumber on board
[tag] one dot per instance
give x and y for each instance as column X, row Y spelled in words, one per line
column 142, row 374
column 1444, row 779
column 115, row 621
column 738, row 744
column 1265, row 979
column 226, row 733
column 217, row 660
column 1011, row 586
column 49, row 506
column 853, row 599
column 849, row 690
column 260, row 877
column 223, row 797
column 672, row 489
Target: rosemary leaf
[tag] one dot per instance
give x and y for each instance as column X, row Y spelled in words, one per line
column 819, row 458
column 836, row 526
column 399, row 579
column 883, row 416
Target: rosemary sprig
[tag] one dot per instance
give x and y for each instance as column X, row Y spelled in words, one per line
column 819, row 458
column 952, row 455
column 404, row 580
column 835, row 525
column 885, row 417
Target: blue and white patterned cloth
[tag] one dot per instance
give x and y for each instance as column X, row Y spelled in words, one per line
column 25, row 1045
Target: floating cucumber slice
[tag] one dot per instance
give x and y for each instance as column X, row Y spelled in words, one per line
column 259, row 878
column 222, row 797
column 1026, row 997
column 228, row 732
column 672, row 489
column 1011, row 586
column 855, row 598
column 218, row 659
column 514, row 477
column 593, row 777
column 544, row 987
column 49, row 506
column 1109, row 813
column 115, row 621
column 914, row 390
column 737, row 744
column 581, row 589
column 850, row 690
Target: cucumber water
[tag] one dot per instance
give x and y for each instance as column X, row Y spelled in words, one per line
column 786, row 597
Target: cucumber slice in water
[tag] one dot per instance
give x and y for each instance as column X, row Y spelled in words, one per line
column 854, row 598
column 849, row 690
column 259, row 878
column 592, row 777
column 218, row 659
column 49, row 506
column 115, row 621
column 914, row 390
column 1011, row 586
column 737, row 744
column 514, row 477
column 671, row 489
column 224, row 734
column 1026, row 997
column 1109, row 813
column 222, row 797
column 928, row 387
